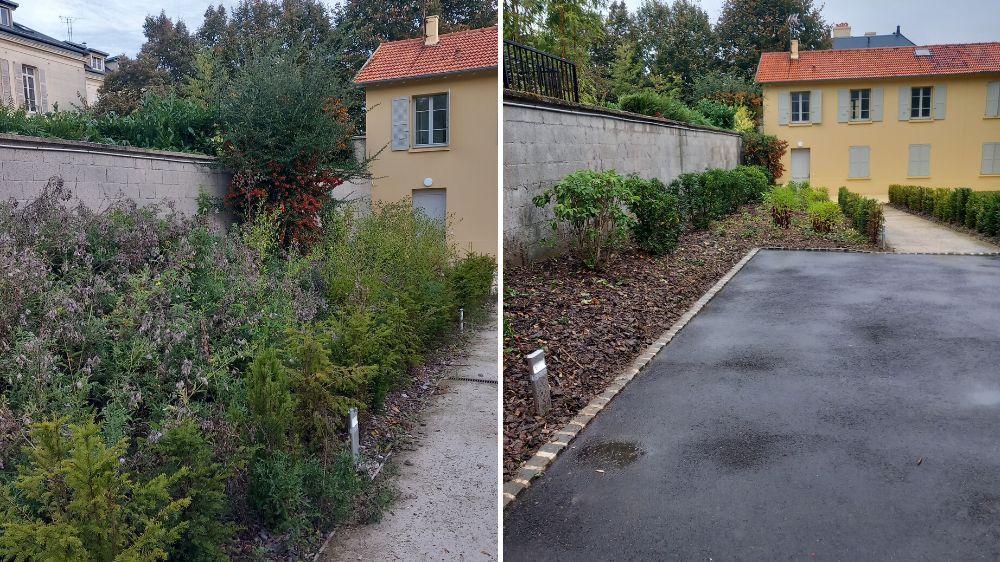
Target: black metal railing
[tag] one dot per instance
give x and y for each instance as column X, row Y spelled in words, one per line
column 527, row 69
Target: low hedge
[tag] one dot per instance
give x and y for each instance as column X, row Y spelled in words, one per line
column 713, row 194
column 864, row 213
column 979, row 210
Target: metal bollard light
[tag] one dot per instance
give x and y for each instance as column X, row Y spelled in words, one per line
column 461, row 320
column 539, row 381
column 352, row 416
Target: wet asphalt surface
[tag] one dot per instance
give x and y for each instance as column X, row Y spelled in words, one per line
column 823, row 406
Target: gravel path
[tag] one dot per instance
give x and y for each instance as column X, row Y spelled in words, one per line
column 448, row 504
column 905, row 232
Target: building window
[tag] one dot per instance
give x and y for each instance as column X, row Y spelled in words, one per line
column 861, row 105
column 920, row 102
column 920, row 161
column 800, row 107
column 431, row 113
column 858, row 157
column 991, row 159
column 97, row 63
column 28, row 74
column 5, row 17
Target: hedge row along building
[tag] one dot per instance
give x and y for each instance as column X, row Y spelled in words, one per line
column 432, row 112
column 867, row 118
column 37, row 71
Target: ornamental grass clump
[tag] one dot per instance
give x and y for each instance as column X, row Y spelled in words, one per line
column 783, row 202
column 824, row 216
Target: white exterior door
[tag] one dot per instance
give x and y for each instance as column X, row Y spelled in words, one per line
column 800, row 164
column 431, row 202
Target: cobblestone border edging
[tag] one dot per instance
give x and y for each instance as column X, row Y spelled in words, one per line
column 536, row 465
column 855, row 251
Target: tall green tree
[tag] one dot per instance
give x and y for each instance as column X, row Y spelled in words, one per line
column 169, row 46
column 676, row 39
column 748, row 28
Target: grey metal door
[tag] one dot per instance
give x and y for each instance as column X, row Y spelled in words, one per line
column 431, row 202
column 800, row 164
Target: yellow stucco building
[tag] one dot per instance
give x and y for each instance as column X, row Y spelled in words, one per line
column 39, row 72
column 868, row 118
column 432, row 112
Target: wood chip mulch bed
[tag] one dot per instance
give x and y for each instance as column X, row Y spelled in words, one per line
column 592, row 324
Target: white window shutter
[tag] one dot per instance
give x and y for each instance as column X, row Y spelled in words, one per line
column 877, row 102
column 993, row 99
column 783, row 107
column 843, row 105
column 816, row 106
column 904, row 103
column 400, row 123
column 991, row 158
column 18, row 83
column 6, row 96
column 940, row 94
column 43, row 95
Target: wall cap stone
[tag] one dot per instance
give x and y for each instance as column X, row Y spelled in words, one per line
column 516, row 98
column 62, row 145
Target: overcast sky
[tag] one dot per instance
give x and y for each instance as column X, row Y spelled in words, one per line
column 115, row 26
column 925, row 22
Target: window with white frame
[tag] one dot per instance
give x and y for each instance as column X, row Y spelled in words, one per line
column 431, row 117
column 991, row 159
column 5, row 17
column 96, row 62
column 861, row 105
column 800, row 107
column 28, row 77
column 920, row 161
column 920, row 102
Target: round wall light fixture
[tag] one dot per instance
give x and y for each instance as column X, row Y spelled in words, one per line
column 428, row 182
column 798, row 144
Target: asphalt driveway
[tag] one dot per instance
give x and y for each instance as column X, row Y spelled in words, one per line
column 824, row 406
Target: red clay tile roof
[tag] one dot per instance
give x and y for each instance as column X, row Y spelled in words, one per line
column 461, row 51
column 883, row 62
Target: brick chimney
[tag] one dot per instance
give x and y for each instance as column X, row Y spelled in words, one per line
column 431, row 31
column 842, row 30
column 795, row 49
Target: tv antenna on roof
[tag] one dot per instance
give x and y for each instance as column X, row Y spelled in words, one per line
column 793, row 25
column 69, row 25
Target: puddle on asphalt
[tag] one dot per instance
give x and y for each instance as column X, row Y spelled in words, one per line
column 610, row 453
column 744, row 450
column 985, row 397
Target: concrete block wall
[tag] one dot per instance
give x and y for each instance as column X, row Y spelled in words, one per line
column 98, row 174
column 545, row 140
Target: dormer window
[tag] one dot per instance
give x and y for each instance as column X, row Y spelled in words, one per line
column 5, row 19
column 96, row 62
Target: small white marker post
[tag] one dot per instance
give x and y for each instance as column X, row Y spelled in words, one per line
column 461, row 320
column 352, row 416
column 539, row 381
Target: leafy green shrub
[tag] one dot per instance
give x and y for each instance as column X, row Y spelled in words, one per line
column 659, row 223
column 653, row 104
column 287, row 138
column 471, row 281
column 783, row 202
column 765, row 151
column 159, row 122
column 209, row 528
column 712, row 194
column 824, row 215
column 718, row 114
column 290, row 493
column 864, row 213
column 743, row 120
column 592, row 204
column 75, row 501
